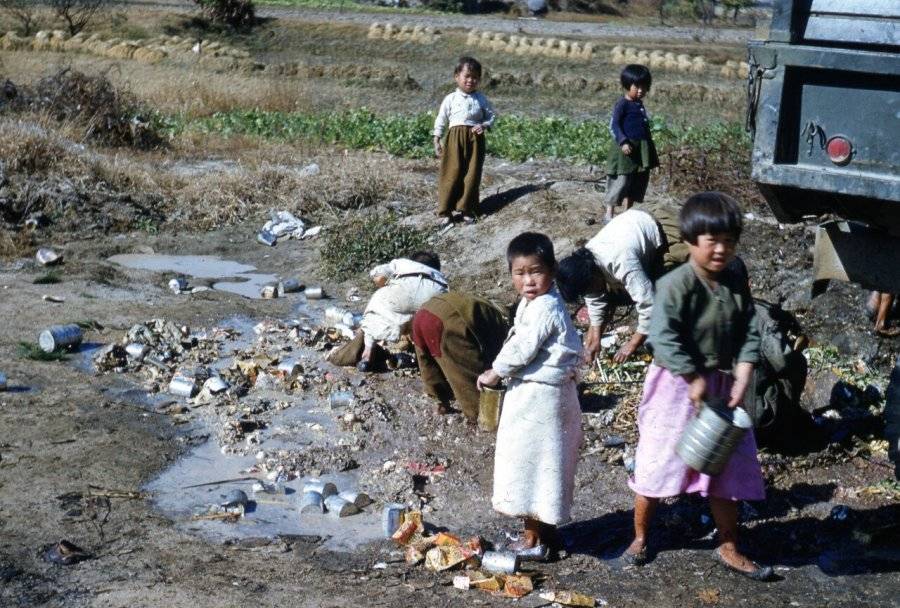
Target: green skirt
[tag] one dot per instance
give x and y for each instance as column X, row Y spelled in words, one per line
column 643, row 157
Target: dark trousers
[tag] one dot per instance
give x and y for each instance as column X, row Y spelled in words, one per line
column 461, row 165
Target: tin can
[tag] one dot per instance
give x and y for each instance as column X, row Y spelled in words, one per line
column 314, row 293
column 215, row 385
column 501, row 562
column 178, row 284
column 137, row 351
column 323, row 488
column 339, row 399
column 58, row 337
column 490, row 404
column 269, row 292
column 47, row 257
column 290, row 368
column 711, row 437
column 182, row 387
column 360, row 499
column 289, row 286
column 266, row 238
column 391, row 518
column 338, row 507
column 311, row 502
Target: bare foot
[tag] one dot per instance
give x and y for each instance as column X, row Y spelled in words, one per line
column 441, row 409
column 888, row 332
column 736, row 560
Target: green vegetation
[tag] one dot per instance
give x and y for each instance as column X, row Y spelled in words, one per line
column 363, row 243
column 50, row 278
column 33, row 352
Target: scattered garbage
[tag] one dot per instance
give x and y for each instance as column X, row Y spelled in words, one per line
column 53, row 299
column 569, row 598
column 265, row 237
column 312, row 502
column 391, row 518
column 314, row 293
column 269, row 292
column 215, row 385
column 137, row 351
column 339, row 399
column 178, row 284
column 339, row 507
column 503, row 562
column 360, row 499
column 65, row 553
column 289, row 286
column 235, row 498
column 183, row 386
column 58, row 337
column 325, row 488
column 338, row 316
column 47, row 257
column 283, row 224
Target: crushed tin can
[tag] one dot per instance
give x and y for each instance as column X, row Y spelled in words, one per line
column 269, row 292
column 338, row 507
column 289, row 286
column 178, row 284
column 325, row 488
column 58, row 337
column 339, row 399
column 266, row 238
column 312, row 502
column 215, row 385
column 182, row 386
column 360, row 499
column 501, row 562
column 314, row 293
column 137, row 351
column 392, row 517
column 47, row 257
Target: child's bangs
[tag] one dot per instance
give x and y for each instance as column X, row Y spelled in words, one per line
column 710, row 213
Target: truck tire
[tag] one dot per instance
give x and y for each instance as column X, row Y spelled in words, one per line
column 892, row 418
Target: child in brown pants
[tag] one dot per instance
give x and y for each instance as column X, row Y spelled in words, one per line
column 468, row 113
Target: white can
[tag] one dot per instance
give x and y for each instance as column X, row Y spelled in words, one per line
column 324, row 488
column 58, row 337
column 312, row 502
column 182, row 387
column 137, row 351
column 314, row 293
column 338, row 507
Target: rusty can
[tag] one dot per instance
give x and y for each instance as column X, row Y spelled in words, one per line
column 502, row 562
column 338, row 507
column 314, row 293
column 58, row 337
column 490, row 404
column 392, row 517
column 324, row 488
column 311, row 502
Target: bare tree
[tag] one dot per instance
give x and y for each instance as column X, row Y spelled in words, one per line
column 23, row 11
column 77, row 13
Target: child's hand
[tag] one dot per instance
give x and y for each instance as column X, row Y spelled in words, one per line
column 487, row 379
column 478, row 129
column 438, row 148
column 697, row 389
column 743, row 372
column 591, row 344
column 626, row 149
column 380, row 281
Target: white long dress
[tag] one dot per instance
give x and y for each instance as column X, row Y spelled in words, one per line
column 540, row 426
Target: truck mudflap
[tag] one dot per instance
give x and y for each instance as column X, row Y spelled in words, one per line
column 854, row 252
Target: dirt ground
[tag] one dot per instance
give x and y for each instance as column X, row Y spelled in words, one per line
column 81, row 450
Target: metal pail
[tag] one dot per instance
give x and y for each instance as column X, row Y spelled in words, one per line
column 712, row 436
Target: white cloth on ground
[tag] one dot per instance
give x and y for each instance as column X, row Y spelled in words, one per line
column 460, row 109
column 626, row 250
column 540, row 425
column 391, row 308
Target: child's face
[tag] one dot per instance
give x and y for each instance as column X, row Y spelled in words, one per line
column 530, row 276
column 713, row 252
column 637, row 91
column 467, row 80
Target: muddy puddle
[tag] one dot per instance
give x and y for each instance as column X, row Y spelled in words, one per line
column 233, row 277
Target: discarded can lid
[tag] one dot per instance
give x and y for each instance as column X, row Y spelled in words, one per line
column 360, row 499
column 60, row 336
column 391, row 517
column 340, row 399
column 234, row 498
column 325, row 488
column 47, row 257
column 215, row 385
column 338, row 507
column 178, row 284
column 266, row 238
column 182, row 387
column 289, row 286
column 314, row 293
column 269, row 292
column 504, row 562
column 312, row 502
column 137, row 351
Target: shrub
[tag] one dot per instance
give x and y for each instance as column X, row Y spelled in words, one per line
column 23, row 11
column 237, row 14
column 77, row 13
column 362, row 243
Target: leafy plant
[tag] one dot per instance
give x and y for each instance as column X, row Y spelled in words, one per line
column 365, row 242
column 50, row 278
column 237, row 14
column 33, row 352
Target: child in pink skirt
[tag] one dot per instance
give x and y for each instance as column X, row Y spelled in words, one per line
column 705, row 343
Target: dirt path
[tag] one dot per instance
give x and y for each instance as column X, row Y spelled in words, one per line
column 536, row 27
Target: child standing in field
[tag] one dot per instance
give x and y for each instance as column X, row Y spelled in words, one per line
column 469, row 114
column 540, row 425
column 705, row 342
column 632, row 154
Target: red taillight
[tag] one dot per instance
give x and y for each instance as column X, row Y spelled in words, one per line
column 839, row 150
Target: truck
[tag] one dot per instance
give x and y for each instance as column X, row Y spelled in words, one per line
column 824, row 114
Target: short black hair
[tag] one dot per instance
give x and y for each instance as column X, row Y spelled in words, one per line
column 635, row 73
column 465, row 61
column 429, row 258
column 710, row 213
column 532, row 243
column 575, row 274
